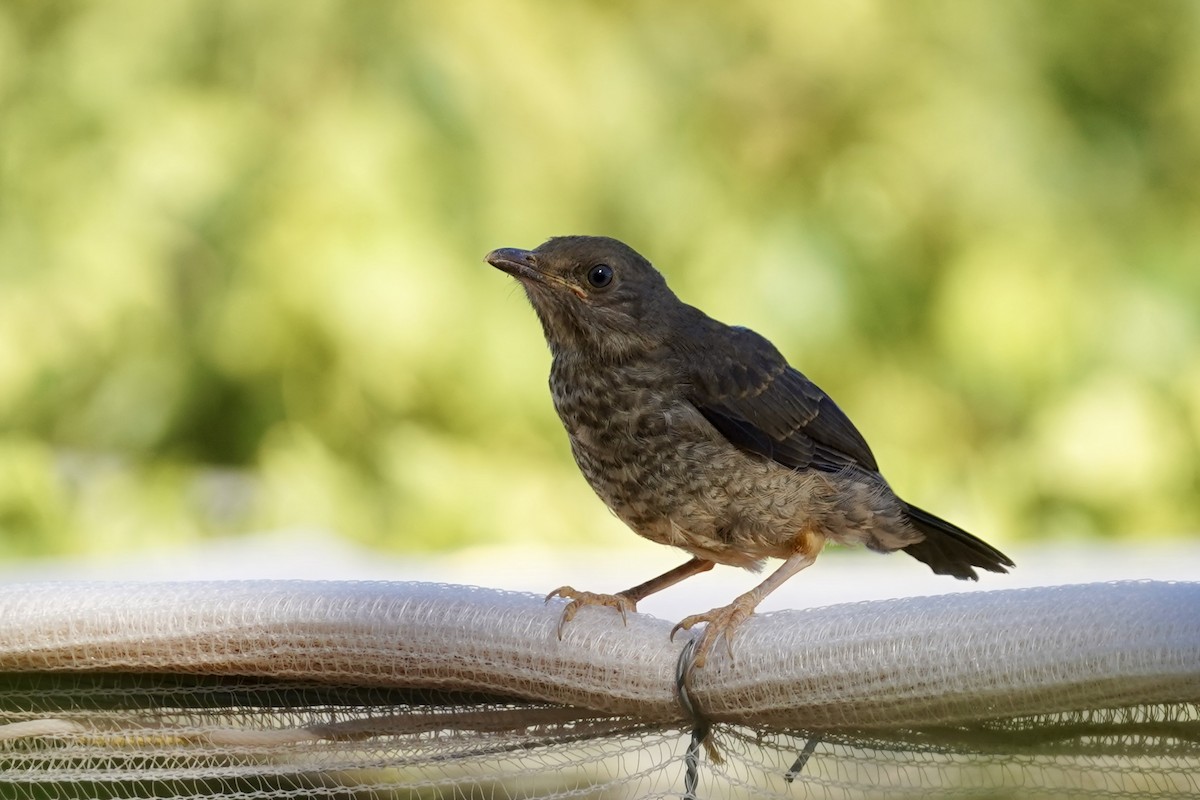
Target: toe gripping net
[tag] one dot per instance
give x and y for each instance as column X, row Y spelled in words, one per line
column 363, row 690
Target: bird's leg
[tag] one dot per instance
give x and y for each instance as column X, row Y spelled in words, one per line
column 627, row 600
column 722, row 621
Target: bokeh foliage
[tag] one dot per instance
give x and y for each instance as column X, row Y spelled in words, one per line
column 240, row 252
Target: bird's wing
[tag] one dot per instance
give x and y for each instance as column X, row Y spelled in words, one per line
column 747, row 390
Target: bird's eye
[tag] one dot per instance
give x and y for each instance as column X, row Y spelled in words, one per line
column 600, row 276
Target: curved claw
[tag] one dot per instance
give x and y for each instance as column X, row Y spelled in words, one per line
column 580, row 599
column 683, row 625
column 720, row 624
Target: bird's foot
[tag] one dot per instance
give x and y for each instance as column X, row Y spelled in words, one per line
column 580, row 599
column 720, row 624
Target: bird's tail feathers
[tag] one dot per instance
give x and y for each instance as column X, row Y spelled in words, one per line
column 949, row 550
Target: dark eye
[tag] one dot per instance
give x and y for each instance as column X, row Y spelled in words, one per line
column 600, row 275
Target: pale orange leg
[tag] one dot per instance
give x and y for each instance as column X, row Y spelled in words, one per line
column 722, row 621
column 625, row 601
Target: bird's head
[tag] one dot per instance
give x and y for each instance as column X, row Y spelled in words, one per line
column 593, row 294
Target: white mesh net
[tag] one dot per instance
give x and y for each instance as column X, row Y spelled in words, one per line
column 276, row 689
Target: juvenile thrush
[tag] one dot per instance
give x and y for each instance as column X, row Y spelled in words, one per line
column 700, row 435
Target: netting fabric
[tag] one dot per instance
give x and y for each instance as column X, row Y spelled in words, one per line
column 309, row 689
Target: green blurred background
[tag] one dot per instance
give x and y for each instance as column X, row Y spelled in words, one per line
column 241, row 284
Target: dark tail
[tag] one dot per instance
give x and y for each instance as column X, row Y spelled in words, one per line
column 949, row 550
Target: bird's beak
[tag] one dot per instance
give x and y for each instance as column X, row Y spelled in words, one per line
column 523, row 265
column 518, row 263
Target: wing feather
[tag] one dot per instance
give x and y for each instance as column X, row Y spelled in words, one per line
column 749, row 393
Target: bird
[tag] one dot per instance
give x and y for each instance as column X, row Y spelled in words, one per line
column 701, row 436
